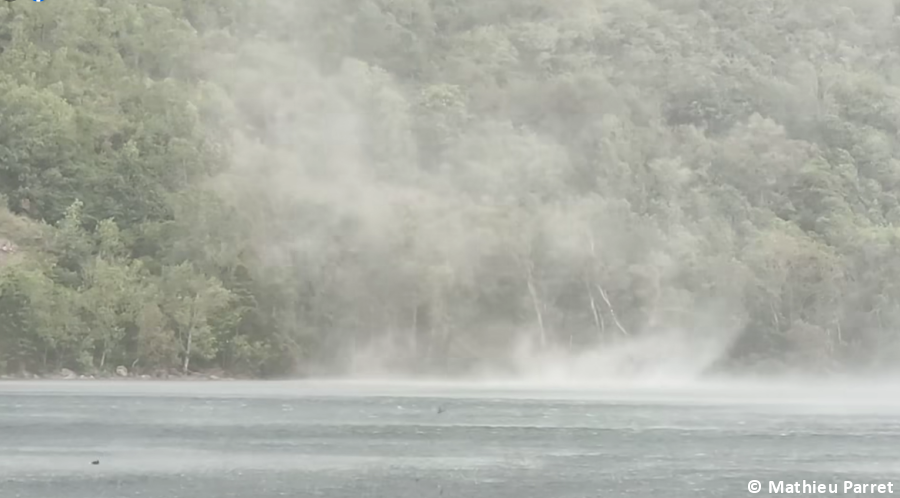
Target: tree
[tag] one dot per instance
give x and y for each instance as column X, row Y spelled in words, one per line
column 189, row 302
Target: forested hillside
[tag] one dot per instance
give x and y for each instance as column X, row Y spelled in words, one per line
column 434, row 186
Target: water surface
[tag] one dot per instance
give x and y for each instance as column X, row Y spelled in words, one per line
column 353, row 440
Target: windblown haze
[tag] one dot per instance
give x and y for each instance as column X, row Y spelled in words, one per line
column 583, row 190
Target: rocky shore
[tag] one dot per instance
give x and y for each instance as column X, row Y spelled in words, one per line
column 121, row 373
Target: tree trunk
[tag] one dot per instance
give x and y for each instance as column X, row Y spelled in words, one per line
column 190, row 337
column 187, row 350
column 598, row 319
column 775, row 319
column 537, row 308
column 612, row 312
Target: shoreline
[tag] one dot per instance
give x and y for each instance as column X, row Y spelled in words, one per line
column 72, row 377
column 127, row 379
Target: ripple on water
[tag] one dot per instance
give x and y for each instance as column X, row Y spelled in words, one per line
column 61, row 461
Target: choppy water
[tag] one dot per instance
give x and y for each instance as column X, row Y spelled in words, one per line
column 261, row 440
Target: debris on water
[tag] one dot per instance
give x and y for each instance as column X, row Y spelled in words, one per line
column 440, row 409
column 95, row 462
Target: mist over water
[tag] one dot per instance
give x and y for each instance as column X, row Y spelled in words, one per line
column 831, row 395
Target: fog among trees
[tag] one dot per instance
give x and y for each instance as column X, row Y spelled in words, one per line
column 441, row 187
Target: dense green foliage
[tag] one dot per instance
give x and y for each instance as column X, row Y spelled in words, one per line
column 274, row 188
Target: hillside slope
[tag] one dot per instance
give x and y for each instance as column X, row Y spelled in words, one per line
column 285, row 188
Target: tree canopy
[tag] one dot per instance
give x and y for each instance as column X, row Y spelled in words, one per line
column 290, row 188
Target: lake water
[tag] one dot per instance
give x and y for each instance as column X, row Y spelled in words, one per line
column 354, row 440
